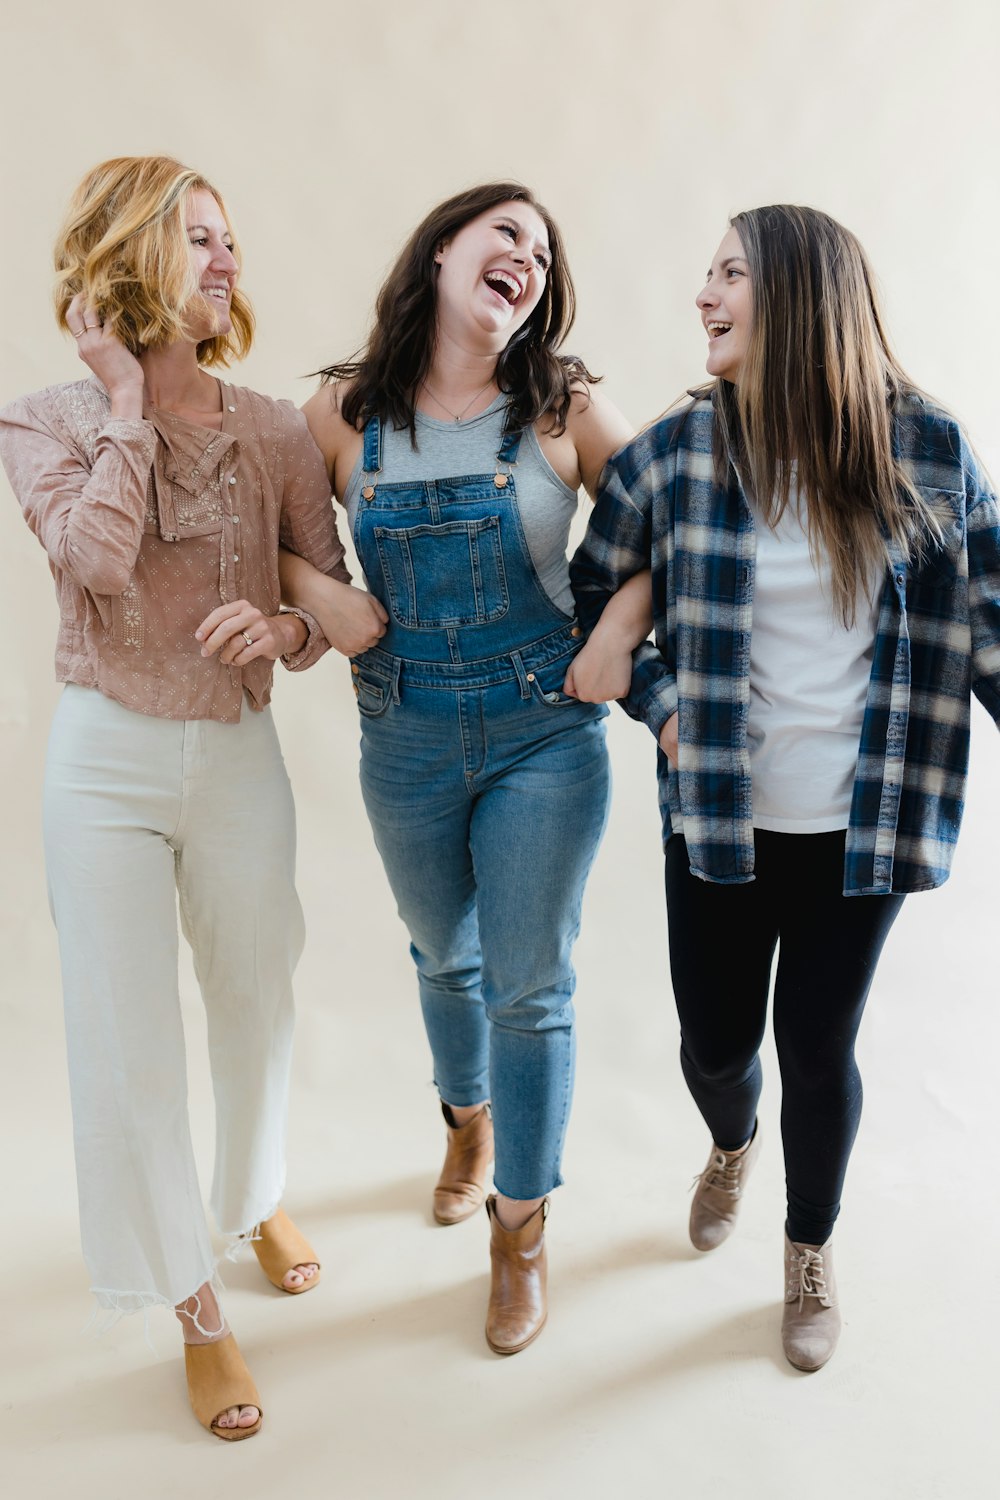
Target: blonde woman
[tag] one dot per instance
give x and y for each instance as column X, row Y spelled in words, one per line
column 159, row 493
column 825, row 558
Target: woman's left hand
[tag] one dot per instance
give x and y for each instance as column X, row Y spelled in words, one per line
column 240, row 632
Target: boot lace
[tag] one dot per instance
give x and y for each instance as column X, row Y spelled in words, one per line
column 723, row 1172
column 806, row 1277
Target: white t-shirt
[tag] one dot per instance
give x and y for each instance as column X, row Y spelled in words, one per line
column 808, row 684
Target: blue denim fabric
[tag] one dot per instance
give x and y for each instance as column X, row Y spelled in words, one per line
column 487, row 791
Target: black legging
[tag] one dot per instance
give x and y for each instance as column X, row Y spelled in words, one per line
column 722, row 942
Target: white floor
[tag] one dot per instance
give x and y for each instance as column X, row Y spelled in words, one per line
column 660, row 1371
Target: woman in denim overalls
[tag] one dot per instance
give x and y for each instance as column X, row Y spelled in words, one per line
column 458, row 442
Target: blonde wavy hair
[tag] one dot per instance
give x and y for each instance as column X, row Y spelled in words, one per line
column 124, row 244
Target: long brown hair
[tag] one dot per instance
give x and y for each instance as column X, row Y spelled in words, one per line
column 124, row 244
column 817, row 390
column 385, row 377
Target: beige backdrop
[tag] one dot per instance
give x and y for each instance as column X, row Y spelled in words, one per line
column 642, row 123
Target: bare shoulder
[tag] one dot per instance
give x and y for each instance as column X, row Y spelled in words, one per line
column 595, row 429
column 337, row 440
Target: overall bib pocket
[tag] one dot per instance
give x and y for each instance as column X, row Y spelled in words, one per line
column 444, row 576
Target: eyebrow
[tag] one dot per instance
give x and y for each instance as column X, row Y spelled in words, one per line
column 730, row 259
column 192, row 227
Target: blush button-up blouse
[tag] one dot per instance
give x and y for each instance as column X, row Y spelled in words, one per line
column 149, row 525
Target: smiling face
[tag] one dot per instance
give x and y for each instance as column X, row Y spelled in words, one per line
column 215, row 266
column 492, row 271
column 724, row 304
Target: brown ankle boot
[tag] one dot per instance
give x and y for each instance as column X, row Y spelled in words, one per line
column 518, row 1308
column 461, row 1187
column 810, row 1326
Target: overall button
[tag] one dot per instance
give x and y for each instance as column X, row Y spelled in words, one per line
column 576, row 630
column 531, row 676
column 355, row 668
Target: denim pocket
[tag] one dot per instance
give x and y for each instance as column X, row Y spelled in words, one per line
column 444, row 576
column 546, row 685
column 372, row 692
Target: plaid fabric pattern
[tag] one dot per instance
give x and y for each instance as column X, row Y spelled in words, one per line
column 937, row 641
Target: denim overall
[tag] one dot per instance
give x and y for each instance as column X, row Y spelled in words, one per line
column 487, row 791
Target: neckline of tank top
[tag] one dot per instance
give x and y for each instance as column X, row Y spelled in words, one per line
column 423, row 420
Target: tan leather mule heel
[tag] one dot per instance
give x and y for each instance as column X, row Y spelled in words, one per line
column 218, row 1378
column 280, row 1248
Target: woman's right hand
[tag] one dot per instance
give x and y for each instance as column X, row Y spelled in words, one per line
column 668, row 740
column 103, row 352
column 351, row 619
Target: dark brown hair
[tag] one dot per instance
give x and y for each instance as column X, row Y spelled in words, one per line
column 818, row 389
column 386, row 375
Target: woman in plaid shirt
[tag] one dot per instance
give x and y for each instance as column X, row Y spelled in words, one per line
column 825, row 555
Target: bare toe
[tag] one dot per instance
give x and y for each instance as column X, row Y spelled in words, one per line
column 248, row 1416
column 299, row 1274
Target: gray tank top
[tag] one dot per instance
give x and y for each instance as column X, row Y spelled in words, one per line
column 447, row 450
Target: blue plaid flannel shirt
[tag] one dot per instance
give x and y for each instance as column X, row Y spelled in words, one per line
column 937, row 640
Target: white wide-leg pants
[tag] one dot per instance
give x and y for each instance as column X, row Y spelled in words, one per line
column 139, row 812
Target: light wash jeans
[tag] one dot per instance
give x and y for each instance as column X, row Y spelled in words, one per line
column 488, row 805
column 139, row 811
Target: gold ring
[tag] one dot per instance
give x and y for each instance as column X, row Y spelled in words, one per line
column 247, row 637
column 79, row 335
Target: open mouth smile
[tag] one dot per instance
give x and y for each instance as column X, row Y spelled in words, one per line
column 506, row 286
column 716, row 329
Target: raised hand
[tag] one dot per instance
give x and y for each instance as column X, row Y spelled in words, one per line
column 103, row 352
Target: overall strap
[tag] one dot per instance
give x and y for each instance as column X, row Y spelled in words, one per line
column 510, row 442
column 371, row 457
column 371, row 460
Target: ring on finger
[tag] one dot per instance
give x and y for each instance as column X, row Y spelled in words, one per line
column 247, row 637
column 79, row 335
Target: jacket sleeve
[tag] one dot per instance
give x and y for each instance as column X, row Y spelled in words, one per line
column 308, row 525
column 619, row 543
column 983, row 543
column 89, row 520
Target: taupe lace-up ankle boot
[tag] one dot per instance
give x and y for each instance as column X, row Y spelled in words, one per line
column 718, row 1191
column 810, row 1326
column 461, row 1188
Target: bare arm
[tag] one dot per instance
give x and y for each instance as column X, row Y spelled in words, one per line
column 602, row 670
column 351, row 618
column 595, row 429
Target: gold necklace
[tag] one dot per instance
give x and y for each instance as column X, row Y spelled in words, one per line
column 457, row 416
